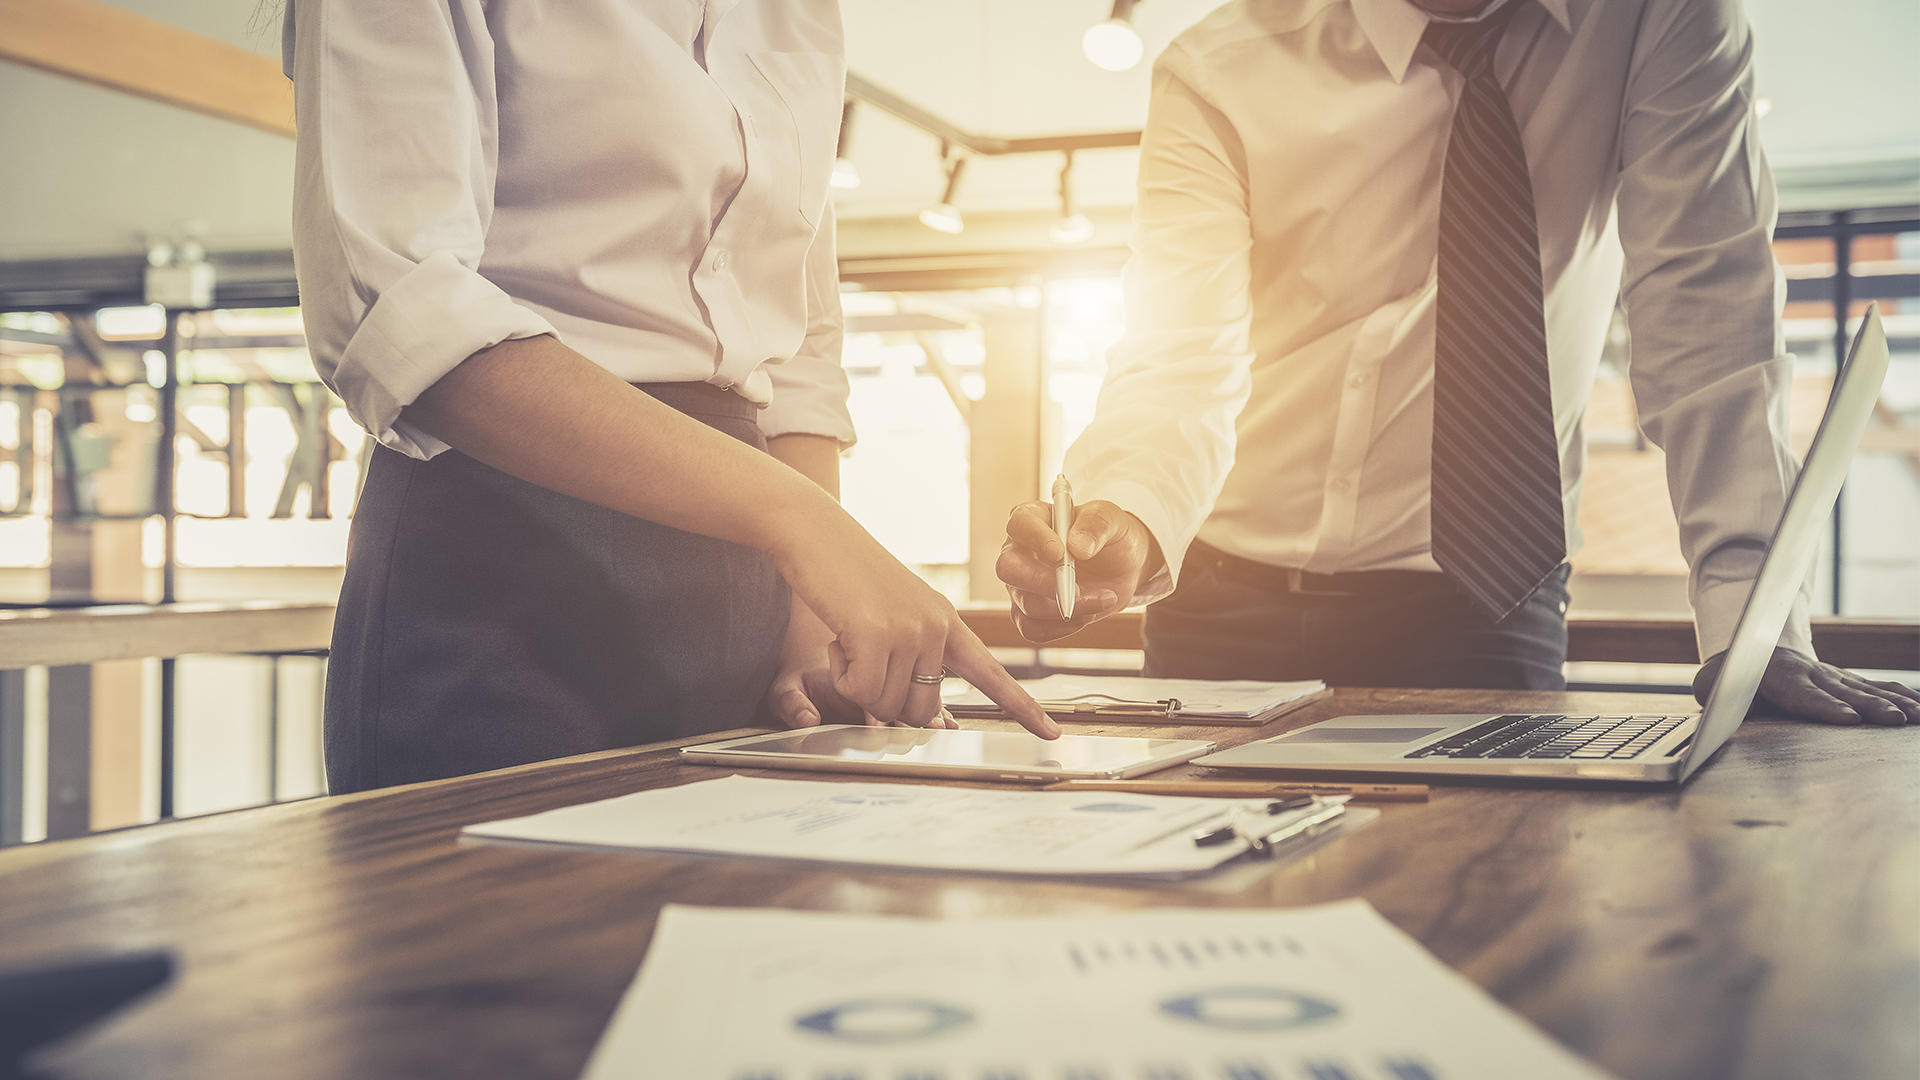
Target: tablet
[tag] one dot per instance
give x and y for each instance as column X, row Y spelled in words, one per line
column 961, row 755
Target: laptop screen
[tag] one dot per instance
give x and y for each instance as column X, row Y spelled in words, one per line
column 1795, row 542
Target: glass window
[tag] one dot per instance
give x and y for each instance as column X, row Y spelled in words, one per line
column 1084, row 318
column 1631, row 560
column 1879, row 517
column 915, row 367
column 95, row 401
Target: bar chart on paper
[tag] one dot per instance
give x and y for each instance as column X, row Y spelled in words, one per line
column 1328, row 993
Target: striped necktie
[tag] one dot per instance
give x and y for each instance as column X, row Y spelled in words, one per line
column 1498, row 526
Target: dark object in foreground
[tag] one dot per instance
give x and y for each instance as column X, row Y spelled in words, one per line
column 41, row 1004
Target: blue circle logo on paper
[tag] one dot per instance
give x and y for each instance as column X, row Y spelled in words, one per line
column 885, row 1020
column 1251, row 1008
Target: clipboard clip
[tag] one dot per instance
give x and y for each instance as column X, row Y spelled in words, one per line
column 1322, row 816
column 1098, row 704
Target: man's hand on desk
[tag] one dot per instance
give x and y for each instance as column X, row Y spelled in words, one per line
column 1112, row 554
column 1804, row 687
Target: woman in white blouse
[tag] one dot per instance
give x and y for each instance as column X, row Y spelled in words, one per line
column 572, row 265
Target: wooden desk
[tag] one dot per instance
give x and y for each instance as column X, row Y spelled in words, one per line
column 1764, row 924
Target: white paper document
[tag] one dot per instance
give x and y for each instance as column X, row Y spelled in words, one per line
column 1109, row 697
column 1323, row 993
column 907, row 825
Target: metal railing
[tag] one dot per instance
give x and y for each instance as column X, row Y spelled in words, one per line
column 68, row 641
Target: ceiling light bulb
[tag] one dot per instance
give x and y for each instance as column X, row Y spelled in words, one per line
column 845, row 175
column 943, row 218
column 1073, row 229
column 1113, row 45
column 1763, row 106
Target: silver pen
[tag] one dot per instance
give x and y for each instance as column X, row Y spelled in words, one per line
column 1063, row 584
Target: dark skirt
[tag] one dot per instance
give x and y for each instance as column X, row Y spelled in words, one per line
column 486, row 621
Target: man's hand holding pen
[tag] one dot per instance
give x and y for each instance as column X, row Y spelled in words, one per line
column 1112, row 551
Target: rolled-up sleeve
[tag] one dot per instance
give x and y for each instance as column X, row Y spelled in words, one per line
column 1162, row 438
column 394, row 176
column 810, row 389
column 1703, row 297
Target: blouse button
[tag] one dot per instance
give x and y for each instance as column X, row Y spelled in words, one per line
column 721, row 261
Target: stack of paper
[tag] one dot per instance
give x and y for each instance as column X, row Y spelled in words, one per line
column 1107, row 698
column 1326, row 993
column 913, row 825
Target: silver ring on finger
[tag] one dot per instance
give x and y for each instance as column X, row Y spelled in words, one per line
column 928, row 680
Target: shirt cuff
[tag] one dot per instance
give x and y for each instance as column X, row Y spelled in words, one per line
column 422, row 326
column 809, row 397
column 1716, row 612
column 1138, row 500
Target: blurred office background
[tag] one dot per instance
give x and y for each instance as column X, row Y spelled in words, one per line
column 977, row 335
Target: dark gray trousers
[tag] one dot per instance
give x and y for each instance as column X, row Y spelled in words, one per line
column 487, row 622
column 1232, row 619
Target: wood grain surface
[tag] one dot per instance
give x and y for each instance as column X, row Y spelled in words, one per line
column 120, row 50
column 1764, row 923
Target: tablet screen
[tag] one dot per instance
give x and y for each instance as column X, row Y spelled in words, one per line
column 964, row 749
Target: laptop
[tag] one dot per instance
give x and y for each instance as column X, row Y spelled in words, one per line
column 1652, row 749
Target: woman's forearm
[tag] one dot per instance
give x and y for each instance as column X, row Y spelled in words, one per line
column 537, row 410
column 818, row 459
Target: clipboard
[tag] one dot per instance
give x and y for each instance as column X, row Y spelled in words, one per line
column 1131, row 700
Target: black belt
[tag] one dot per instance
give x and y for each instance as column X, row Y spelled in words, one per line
column 1305, row 583
column 700, row 398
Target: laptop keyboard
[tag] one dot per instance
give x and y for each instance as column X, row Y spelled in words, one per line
column 1583, row 738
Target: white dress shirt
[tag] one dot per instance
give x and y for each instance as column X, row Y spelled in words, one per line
column 1273, row 393
column 644, row 179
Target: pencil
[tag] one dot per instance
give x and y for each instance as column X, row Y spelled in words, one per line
column 1249, row 789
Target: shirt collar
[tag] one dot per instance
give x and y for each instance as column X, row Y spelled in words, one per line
column 1394, row 27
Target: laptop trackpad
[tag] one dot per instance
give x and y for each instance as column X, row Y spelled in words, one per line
column 1362, row 734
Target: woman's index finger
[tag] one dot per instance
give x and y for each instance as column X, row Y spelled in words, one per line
column 968, row 658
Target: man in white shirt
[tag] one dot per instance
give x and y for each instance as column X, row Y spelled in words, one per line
column 1341, row 205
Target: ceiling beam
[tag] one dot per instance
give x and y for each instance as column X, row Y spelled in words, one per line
column 860, row 88
column 105, row 46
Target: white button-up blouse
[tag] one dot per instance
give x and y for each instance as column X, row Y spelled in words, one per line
column 644, row 179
